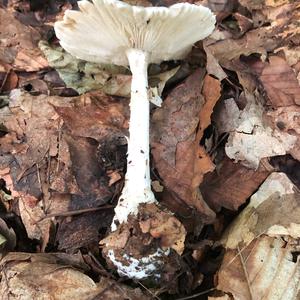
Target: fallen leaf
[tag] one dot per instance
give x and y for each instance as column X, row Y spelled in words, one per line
column 244, row 23
column 260, row 244
column 265, row 269
column 231, row 185
column 32, row 214
column 213, row 67
column 56, row 276
column 175, row 144
column 19, row 44
column 287, row 119
column 281, row 32
column 203, row 164
column 279, row 81
column 10, row 81
column 114, row 176
column 82, row 230
column 252, row 138
column 274, row 204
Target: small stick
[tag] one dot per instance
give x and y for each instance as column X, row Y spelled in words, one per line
column 75, row 212
column 246, row 272
column 196, row 295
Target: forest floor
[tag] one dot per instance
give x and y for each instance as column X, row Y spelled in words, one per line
column 225, row 151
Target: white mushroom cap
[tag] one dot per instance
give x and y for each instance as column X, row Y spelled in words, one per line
column 104, row 30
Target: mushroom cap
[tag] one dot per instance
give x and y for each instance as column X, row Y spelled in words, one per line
column 104, row 30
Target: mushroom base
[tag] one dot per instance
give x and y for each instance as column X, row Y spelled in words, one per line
column 147, row 247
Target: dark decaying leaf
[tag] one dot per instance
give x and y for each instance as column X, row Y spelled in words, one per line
column 231, row 185
column 51, row 151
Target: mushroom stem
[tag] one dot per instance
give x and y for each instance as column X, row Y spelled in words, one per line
column 137, row 188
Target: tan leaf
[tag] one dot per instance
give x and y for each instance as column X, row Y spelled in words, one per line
column 47, row 139
column 260, row 243
column 114, row 176
column 252, row 138
column 56, row 276
column 265, row 269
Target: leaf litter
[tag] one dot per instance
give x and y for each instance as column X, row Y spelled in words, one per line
column 228, row 121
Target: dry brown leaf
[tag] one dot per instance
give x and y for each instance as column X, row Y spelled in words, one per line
column 231, row 185
column 287, row 120
column 274, row 210
column 212, row 66
column 32, row 214
column 175, row 141
column 281, row 32
column 10, row 81
column 279, row 81
column 203, row 164
column 114, row 176
column 96, row 115
column 19, row 44
column 244, row 23
column 56, row 276
column 211, row 92
column 252, row 5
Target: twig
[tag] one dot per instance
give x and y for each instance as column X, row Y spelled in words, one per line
column 39, row 176
column 5, row 79
column 75, row 212
column 233, row 259
column 96, row 261
column 245, row 272
column 151, row 293
column 196, row 295
column 110, row 276
column 218, row 143
column 22, row 174
column 58, row 146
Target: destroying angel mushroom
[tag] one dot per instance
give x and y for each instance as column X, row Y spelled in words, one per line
column 110, row 31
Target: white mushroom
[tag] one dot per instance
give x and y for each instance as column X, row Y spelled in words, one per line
column 110, row 31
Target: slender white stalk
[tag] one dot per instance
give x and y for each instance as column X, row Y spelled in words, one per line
column 137, row 188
